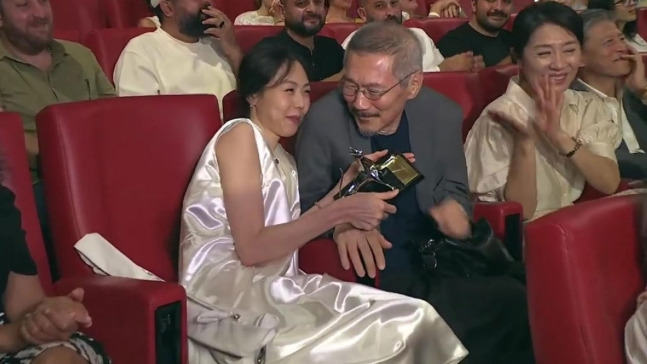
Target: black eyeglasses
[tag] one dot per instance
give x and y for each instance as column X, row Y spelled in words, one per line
column 350, row 89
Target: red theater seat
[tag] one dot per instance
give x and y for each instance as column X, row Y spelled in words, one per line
column 125, row 13
column 463, row 88
column 339, row 31
column 82, row 16
column 120, row 167
column 436, row 28
column 111, row 301
column 107, row 45
column 69, row 35
column 249, row 35
column 583, row 271
column 642, row 22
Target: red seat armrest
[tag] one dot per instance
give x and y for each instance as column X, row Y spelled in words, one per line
column 321, row 256
column 506, row 219
column 129, row 315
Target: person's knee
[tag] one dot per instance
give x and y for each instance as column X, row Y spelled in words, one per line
column 59, row 355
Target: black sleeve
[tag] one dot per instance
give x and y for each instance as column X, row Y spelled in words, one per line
column 12, row 236
column 339, row 50
column 452, row 44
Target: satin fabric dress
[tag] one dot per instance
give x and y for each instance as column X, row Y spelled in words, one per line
column 276, row 312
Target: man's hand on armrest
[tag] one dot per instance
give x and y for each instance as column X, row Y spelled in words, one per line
column 356, row 245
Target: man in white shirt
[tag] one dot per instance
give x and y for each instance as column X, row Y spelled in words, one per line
column 616, row 73
column 194, row 51
column 432, row 59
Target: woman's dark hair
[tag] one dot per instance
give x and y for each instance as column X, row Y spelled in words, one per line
column 538, row 14
column 631, row 28
column 266, row 62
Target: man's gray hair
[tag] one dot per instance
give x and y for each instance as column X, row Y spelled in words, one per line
column 593, row 17
column 391, row 39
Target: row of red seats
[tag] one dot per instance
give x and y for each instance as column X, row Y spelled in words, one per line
column 83, row 16
column 120, row 167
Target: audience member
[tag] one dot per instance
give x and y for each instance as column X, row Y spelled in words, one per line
column 616, row 73
column 540, row 142
column 266, row 14
column 237, row 227
column 37, row 71
column 626, row 19
column 635, row 334
column 432, row 61
column 441, row 9
column 381, row 104
column 194, row 51
column 322, row 56
column 483, row 35
column 35, row 328
column 338, row 12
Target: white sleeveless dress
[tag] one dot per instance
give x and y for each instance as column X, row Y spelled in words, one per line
column 273, row 312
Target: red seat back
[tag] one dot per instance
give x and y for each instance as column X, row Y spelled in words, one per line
column 82, row 16
column 249, row 35
column 339, row 31
column 583, row 267
column 464, row 89
column 494, row 81
column 107, row 45
column 642, row 22
column 120, row 167
column 125, row 13
column 436, row 28
column 69, row 35
column 15, row 176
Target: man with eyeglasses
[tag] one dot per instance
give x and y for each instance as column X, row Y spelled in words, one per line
column 322, row 56
column 382, row 104
column 616, row 73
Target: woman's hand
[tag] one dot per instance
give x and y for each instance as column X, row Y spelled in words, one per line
column 549, row 101
column 366, row 211
column 518, row 131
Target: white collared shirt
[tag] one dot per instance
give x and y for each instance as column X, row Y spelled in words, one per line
column 489, row 147
column 619, row 116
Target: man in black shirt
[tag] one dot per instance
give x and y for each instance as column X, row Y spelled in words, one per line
column 323, row 57
column 483, row 34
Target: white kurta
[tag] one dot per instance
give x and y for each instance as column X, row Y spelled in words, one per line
column 431, row 56
column 488, row 147
column 155, row 63
column 253, row 18
column 298, row 318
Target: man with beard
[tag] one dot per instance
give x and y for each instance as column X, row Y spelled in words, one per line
column 484, row 34
column 194, row 51
column 37, row 71
column 432, row 60
column 323, row 57
column 616, row 73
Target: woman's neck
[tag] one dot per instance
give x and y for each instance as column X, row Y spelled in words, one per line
column 263, row 11
column 271, row 139
column 526, row 86
column 621, row 25
column 337, row 15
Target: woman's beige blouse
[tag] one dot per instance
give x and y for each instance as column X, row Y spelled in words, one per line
column 488, row 147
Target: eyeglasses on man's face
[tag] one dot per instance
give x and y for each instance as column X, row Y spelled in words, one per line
column 351, row 89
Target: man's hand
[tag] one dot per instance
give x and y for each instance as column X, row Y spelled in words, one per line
column 222, row 28
column 460, row 62
column 636, row 81
column 353, row 243
column 452, row 219
column 55, row 319
column 446, row 8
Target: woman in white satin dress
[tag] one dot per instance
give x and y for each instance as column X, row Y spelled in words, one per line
column 242, row 227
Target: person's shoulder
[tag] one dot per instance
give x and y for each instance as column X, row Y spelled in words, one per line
column 76, row 50
column 235, row 133
column 144, row 40
column 327, row 42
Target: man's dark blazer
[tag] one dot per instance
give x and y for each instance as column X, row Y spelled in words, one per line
column 634, row 165
column 329, row 130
